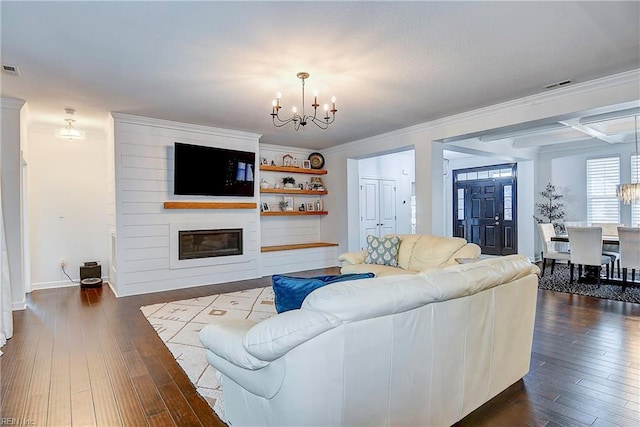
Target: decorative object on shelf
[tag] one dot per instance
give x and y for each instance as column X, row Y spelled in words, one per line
column 264, row 207
column 301, row 208
column 316, row 183
column 288, row 181
column 319, row 206
column 302, row 120
column 264, row 161
column 301, row 186
column 306, row 164
column 310, row 207
column 630, row 193
column 69, row 132
column 287, row 160
column 316, row 160
column 264, row 184
column 288, row 203
column 550, row 210
column 273, row 163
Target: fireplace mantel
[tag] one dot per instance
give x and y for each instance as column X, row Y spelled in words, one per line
column 210, row 205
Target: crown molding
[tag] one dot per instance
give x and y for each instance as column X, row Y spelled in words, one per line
column 605, row 83
column 12, row 103
column 186, row 127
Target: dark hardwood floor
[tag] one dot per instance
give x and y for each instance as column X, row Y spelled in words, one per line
column 84, row 357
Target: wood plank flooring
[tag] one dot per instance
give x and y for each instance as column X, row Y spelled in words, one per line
column 84, row 358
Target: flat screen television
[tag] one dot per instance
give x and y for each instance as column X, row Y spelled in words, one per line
column 209, row 171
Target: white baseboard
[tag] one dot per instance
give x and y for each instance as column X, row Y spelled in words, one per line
column 20, row 305
column 57, row 284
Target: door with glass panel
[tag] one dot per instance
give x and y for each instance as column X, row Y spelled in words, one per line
column 484, row 208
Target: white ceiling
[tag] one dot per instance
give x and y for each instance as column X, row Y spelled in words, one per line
column 390, row 64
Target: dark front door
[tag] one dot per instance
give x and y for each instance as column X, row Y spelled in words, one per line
column 485, row 208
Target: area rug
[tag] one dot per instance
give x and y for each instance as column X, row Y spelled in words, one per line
column 178, row 323
column 559, row 281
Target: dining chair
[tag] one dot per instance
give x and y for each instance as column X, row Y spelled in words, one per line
column 586, row 250
column 612, row 251
column 550, row 248
column 629, row 252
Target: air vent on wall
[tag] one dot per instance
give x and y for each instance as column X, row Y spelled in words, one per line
column 557, row 84
column 10, row 70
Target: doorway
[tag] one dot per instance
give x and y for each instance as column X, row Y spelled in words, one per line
column 377, row 208
column 485, row 207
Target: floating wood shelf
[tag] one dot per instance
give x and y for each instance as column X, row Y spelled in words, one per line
column 293, row 170
column 209, row 205
column 292, row 213
column 296, row 246
column 292, row 191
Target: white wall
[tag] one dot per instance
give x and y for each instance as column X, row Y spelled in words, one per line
column 67, row 205
column 11, row 169
column 144, row 229
column 579, row 97
column 399, row 167
column 567, row 171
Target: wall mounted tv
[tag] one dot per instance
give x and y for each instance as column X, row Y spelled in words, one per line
column 209, row 171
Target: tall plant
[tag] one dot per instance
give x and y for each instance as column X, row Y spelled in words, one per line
column 550, row 210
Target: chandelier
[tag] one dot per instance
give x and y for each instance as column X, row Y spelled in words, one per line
column 302, row 120
column 630, row 193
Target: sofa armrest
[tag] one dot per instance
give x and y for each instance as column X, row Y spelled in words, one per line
column 224, row 339
column 352, row 258
column 274, row 337
column 468, row 251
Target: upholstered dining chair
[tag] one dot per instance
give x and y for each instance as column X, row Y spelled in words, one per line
column 612, row 251
column 549, row 248
column 586, row 249
column 629, row 252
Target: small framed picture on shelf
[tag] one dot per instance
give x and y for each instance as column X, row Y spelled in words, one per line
column 265, row 207
column 287, row 160
column 264, row 161
column 306, row 164
column 288, row 203
column 311, row 207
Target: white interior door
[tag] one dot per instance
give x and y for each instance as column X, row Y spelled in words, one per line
column 377, row 208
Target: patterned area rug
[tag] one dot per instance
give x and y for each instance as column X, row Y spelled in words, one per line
column 179, row 322
column 559, row 281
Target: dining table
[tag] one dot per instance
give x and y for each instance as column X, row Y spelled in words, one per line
column 606, row 240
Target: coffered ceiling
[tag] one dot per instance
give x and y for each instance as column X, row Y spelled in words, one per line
column 390, row 64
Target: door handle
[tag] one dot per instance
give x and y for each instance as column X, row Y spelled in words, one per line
column 497, row 223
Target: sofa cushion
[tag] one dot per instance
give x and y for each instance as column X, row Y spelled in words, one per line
column 291, row 291
column 432, row 251
column 382, row 250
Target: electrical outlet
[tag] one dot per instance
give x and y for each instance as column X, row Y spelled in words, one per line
column 63, row 263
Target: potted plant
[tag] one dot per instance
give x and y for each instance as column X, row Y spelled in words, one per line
column 550, row 210
column 288, row 181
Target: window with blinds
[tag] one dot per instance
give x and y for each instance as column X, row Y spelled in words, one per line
column 635, row 176
column 603, row 177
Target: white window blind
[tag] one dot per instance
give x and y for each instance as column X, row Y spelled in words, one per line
column 635, row 172
column 603, row 177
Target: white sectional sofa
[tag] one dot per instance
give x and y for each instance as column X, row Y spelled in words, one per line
column 417, row 253
column 418, row 350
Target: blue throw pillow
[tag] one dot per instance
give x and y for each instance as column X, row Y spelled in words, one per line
column 290, row 291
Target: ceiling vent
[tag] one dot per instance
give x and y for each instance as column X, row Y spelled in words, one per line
column 10, row 70
column 557, row 84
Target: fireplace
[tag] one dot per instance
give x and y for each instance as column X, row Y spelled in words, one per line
column 194, row 244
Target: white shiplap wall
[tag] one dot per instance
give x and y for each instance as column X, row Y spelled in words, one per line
column 144, row 181
column 283, row 230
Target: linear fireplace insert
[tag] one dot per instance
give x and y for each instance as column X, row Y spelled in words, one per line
column 194, row 244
